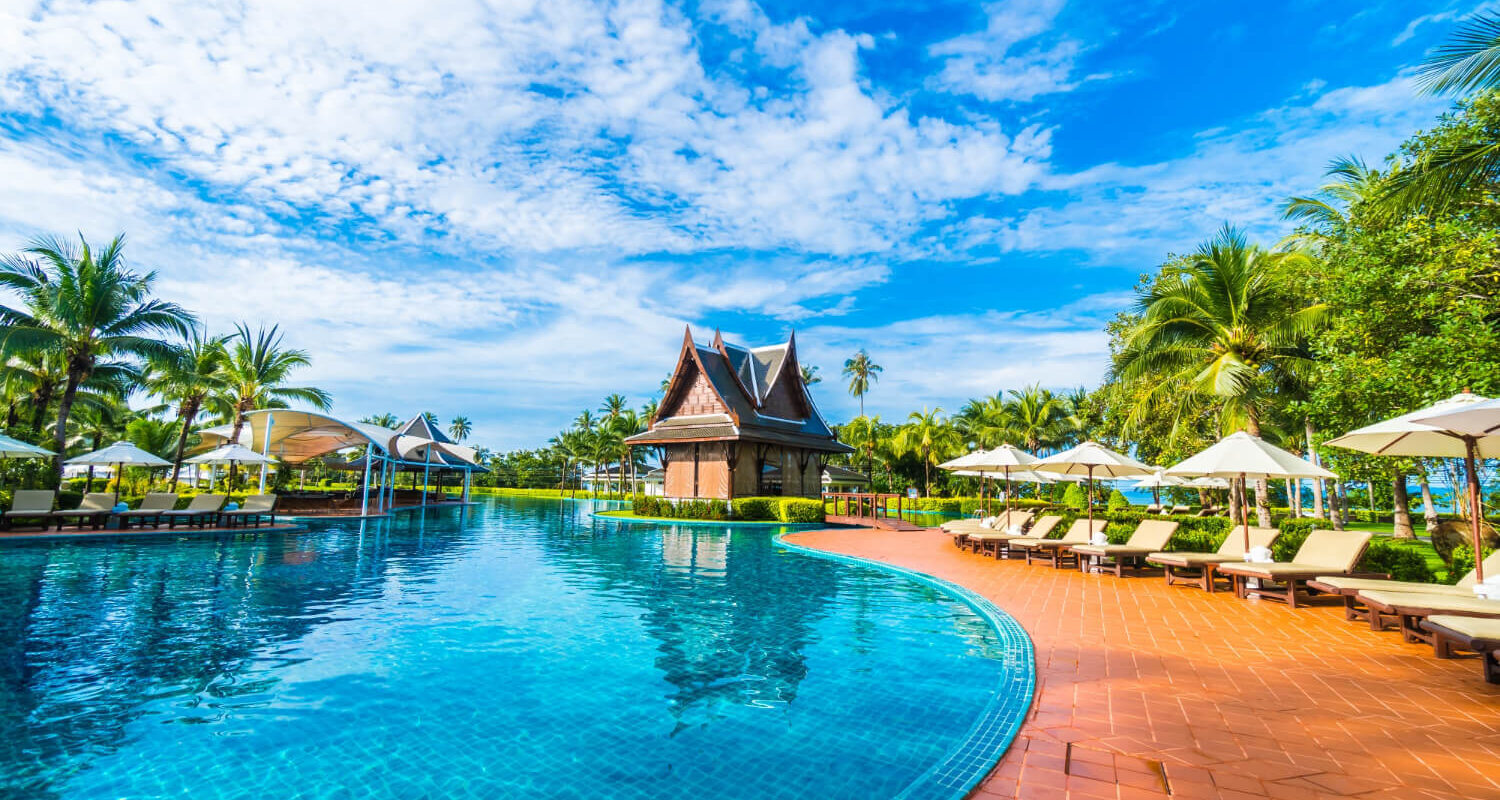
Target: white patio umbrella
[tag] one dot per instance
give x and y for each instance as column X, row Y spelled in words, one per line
column 230, row 454
column 15, row 448
column 1464, row 426
column 1242, row 456
column 1208, row 483
column 1156, row 480
column 120, row 454
column 1001, row 460
column 1090, row 459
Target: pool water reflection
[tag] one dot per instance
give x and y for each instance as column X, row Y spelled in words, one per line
column 520, row 648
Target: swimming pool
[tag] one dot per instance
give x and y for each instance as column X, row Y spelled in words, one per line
column 520, row 648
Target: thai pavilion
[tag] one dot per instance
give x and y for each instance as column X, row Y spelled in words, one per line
column 739, row 422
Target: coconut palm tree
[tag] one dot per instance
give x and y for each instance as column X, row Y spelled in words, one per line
column 613, row 406
column 1034, row 417
column 649, row 409
column 585, row 421
column 383, row 420
column 568, row 446
column 94, row 424
column 810, row 375
column 604, row 445
column 1323, row 216
column 626, row 424
column 861, row 371
column 1469, row 62
column 88, row 309
column 1222, row 330
column 928, row 435
column 863, row 434
column 256, row 375
column 460, row 428
column 187, row 378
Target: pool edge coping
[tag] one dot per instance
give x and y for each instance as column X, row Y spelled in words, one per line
column 801, row 526
column 962, row 778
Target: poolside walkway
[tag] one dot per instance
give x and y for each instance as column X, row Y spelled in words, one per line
column 1149, row 691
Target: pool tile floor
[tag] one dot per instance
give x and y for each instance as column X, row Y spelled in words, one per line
column 1150, row 691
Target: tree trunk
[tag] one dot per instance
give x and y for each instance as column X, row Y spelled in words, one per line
column 234, row 438
column 185, row 415
column 1294, row 497
column 1399, row 502
column 1235, row 499
column 64, row 408
column 39, row 412
column 1429, row 511
column 1312, row 454
column 1341, row 500
column 1262, row 503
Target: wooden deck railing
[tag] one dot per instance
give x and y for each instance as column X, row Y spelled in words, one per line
column 865, row 506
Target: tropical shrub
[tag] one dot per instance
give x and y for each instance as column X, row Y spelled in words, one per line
column 1073, row 497
column 756, row 509
column 1117, row 501
column 801, row 509
column 1463, row 562
column 1403, row 562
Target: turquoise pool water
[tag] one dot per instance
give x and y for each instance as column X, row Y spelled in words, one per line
column 516, row 649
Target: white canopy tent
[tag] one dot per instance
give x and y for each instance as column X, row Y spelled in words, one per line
column 296, row 437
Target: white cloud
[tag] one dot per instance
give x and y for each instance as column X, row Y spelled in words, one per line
column 1410, row 30
column 992, row 64
column 1239, row 174
column 527, row 127
column 945, row 360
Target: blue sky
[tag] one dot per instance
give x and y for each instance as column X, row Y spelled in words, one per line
column 509, row 210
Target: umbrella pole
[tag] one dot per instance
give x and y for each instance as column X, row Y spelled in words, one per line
column 1088, row 499
column 1244, row 514
column 1007, row 493
column 1476, row 517
column 119, row 476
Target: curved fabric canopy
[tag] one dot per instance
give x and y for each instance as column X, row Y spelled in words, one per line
column 296, row 436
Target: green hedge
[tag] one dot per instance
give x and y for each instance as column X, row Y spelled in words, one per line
column 748, row 509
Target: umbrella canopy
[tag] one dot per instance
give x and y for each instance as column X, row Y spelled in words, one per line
column 1240, row 455
column 1436, row 431
column 15, row 448
column 1091, row 459
column 231, row 454
column 1158, row 479
column 120, row 454
column 1464, row 426
column 1001, row 460
column 1208, row 483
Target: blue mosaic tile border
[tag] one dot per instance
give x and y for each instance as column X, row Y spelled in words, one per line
column 991, row 735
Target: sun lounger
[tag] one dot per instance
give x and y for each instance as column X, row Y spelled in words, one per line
column 30, row 504
column 1323, row 553
column 153, row 505
column 1005, row 524
column 1056, row 550
column 252, row 510
column 1153, row 509
column 94, row 509
column 1149, row 537
column 1180, row 510
column 1410, row 608
column 1349, row 589
column 203, row 510
column 1002, row 522
column 1200, row 568
column 1474, row 634
column 997, row 543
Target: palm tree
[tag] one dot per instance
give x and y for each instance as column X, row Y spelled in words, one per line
column 861, row 372
column 1324, row 215
column 928, row 435
column 585, row 422
column 1033, row 416
column 863, row 433
column 256, row 374
column 649, row 409
column 382, row 420
column 613, row 406
column 626, row 424
column 810, row 375
column 95, row 423
column 188, row 377
column 1448, row 175
column 1223, row 331
column 569, row 447
column 603, row 445
column 460, row 428
column 88, row 309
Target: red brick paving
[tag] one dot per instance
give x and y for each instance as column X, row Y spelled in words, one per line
column 1143, row 687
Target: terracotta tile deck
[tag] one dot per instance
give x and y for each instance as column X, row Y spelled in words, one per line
column 1145, row 690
